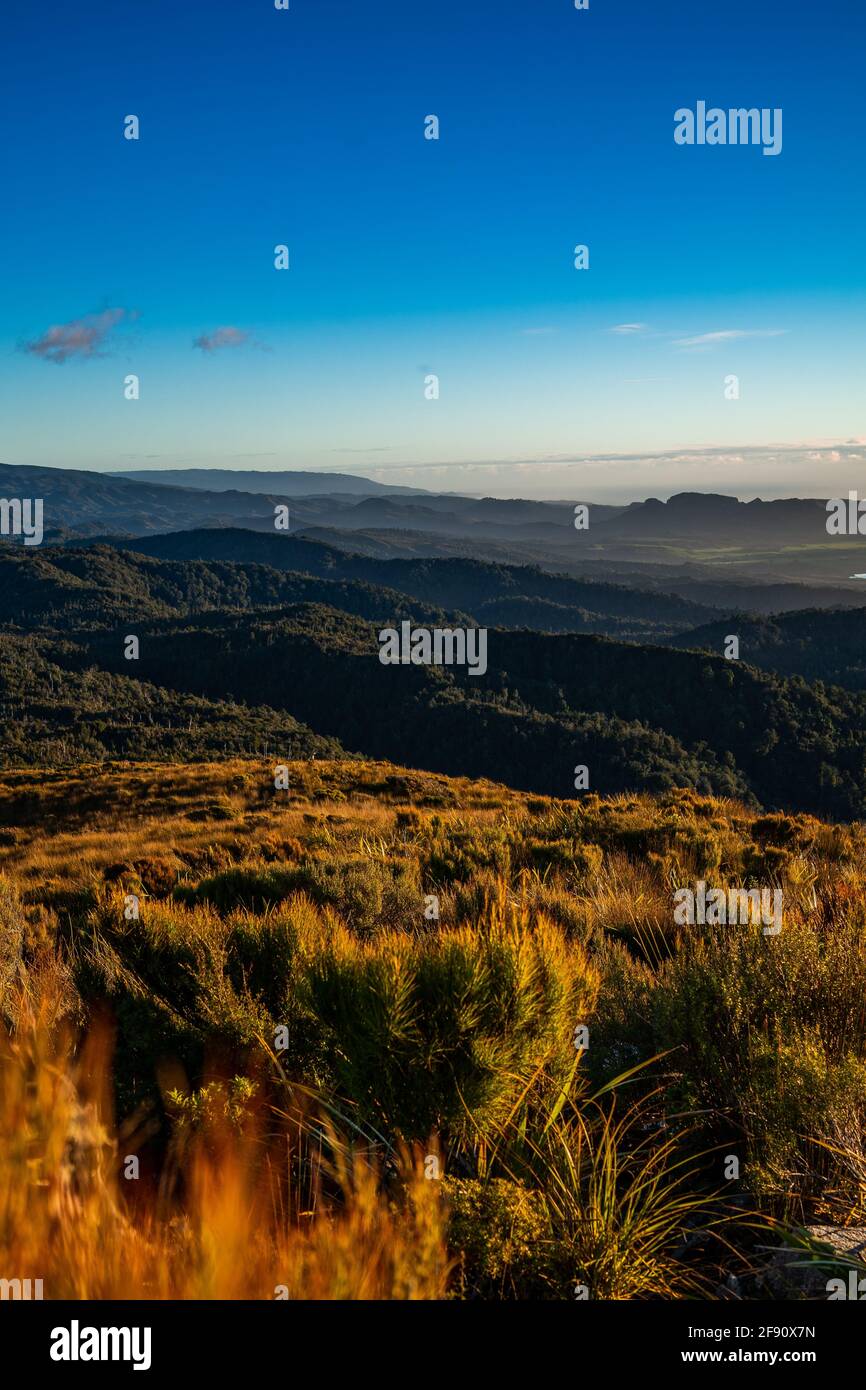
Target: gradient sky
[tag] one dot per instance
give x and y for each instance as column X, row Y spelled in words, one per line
column 453, row 257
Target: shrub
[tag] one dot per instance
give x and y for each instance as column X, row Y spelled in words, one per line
column 501, row 1232
column 578, row 863
column 766, row 1031
column 434, row 1032
column 458, row 851
column 368, row 894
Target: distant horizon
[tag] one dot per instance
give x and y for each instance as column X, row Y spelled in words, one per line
column 664, row 496
column 849, row 454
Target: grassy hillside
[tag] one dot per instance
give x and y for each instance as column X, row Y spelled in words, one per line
column 380, row 975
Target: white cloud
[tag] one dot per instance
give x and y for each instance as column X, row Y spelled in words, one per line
column 727, row 335
column 808, row 468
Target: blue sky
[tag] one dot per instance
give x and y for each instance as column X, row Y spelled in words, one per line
column 455, row 257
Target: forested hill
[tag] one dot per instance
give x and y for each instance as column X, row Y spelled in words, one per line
column 272, row 649
column 58, row 710
column 99, row 585
column 103, row 582
column 488, row 591
column 637, row 717
column 819, row 644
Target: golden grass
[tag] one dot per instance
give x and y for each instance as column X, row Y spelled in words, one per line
column 237, row 1222
column 74, row 824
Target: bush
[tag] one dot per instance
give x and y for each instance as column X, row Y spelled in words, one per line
column 501, row 1233
column 368, row 895
column 433, row 1033
column 457, row 852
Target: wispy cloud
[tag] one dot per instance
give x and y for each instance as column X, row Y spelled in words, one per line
column 727, row 335
column 225, row 337
column 625, row 328
column 84, row 337
column 763, row 458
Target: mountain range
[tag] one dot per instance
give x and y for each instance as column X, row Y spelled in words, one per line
column 765, row 556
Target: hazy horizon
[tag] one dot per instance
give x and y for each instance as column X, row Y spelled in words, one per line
column 577, row 480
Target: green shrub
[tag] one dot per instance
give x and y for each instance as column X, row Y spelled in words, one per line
column 621, row 1033
column 368, row 894
column 766, row 1032
column 501, row 1233
column 794, row 1094
column 433, row 1033
column 457, row 852
column 578, row 863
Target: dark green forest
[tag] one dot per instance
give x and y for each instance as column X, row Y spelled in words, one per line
column 239, row 657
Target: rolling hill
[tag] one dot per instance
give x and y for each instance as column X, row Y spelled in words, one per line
column 281, row 482
column 101, row 584
column 639, row 717
column 457, row 583
column 817, row 644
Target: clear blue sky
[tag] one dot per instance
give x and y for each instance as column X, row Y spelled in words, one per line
column 455, row 257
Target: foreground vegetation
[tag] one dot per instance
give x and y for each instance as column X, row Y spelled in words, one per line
column 390, row 1034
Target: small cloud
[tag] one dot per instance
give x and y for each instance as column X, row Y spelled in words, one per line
column 222, row 338
column 727, row 335
column 625, row 328
column 84, row 337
